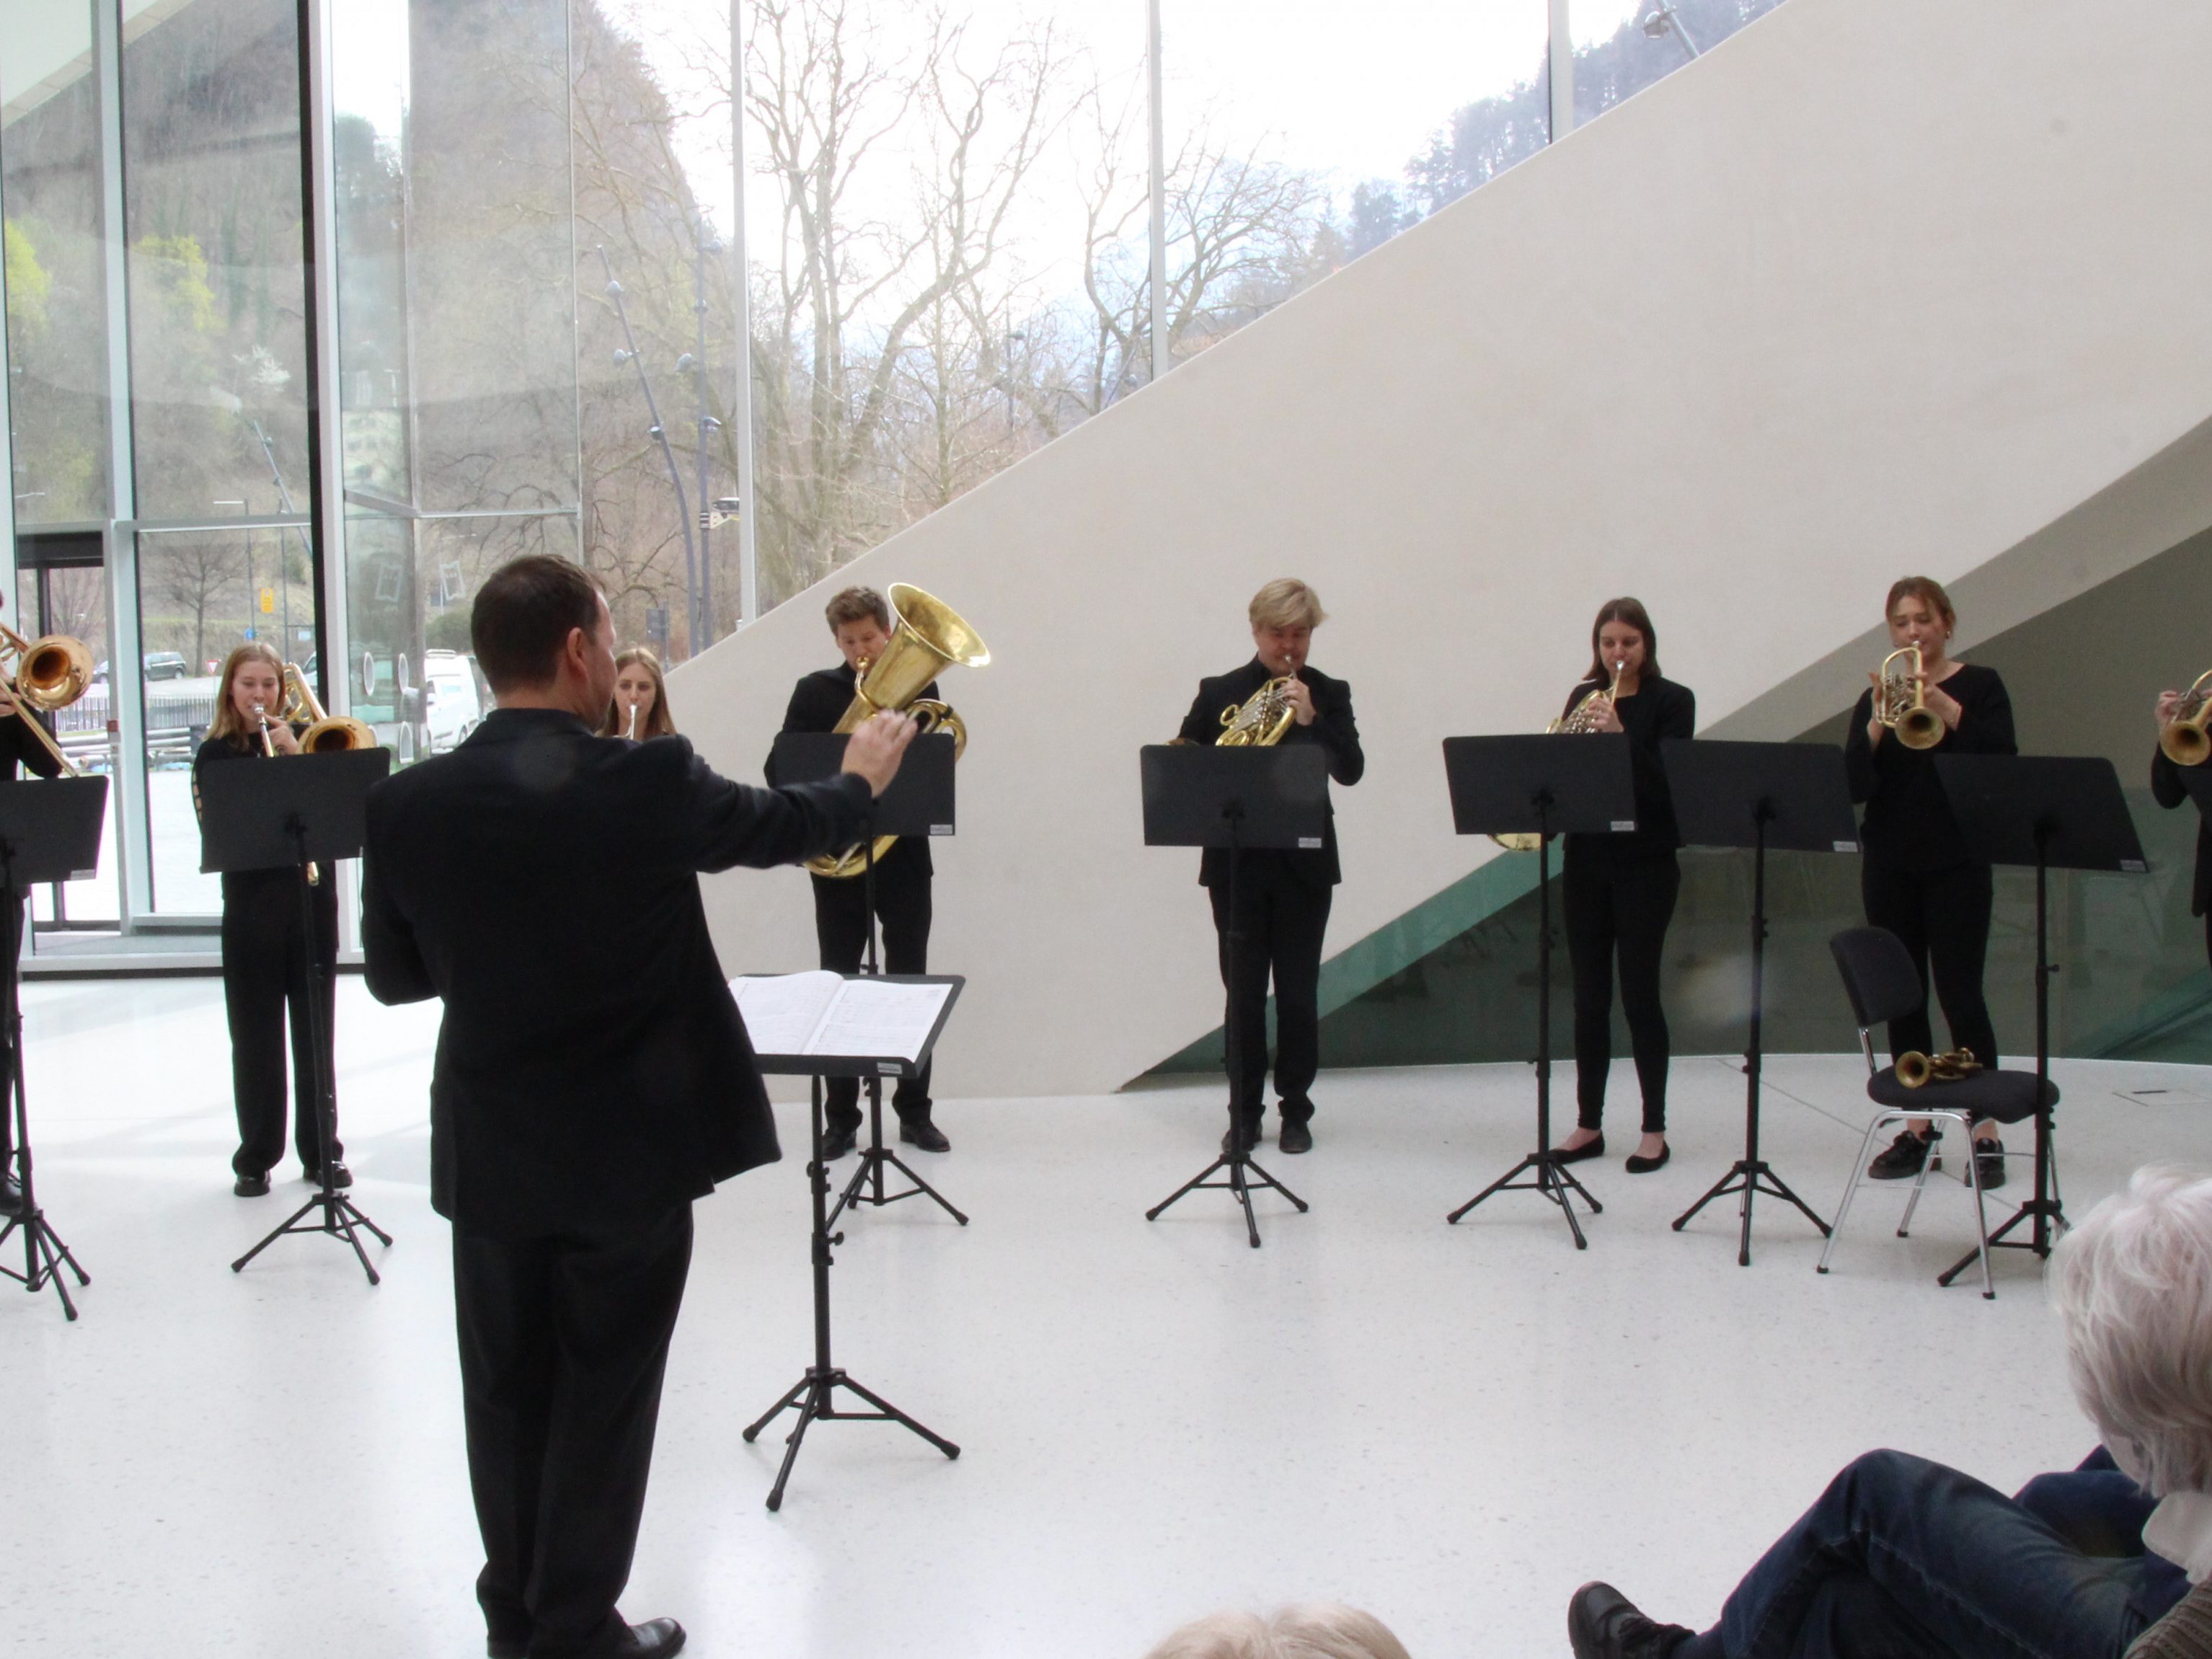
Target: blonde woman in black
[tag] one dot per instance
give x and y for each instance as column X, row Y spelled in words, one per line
column 640, row 708
column 264, row 949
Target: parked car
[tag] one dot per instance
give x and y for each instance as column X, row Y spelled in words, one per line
column 454, row 699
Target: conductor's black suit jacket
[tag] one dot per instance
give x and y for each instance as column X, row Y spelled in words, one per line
column 592, row 1070
column 1333, row 728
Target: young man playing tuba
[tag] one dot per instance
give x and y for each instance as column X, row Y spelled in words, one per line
column 1282, row 896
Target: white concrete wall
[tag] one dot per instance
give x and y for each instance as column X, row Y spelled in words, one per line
column 1875, row 286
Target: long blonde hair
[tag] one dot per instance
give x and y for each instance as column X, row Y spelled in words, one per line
column 229, row 724
column 658, row 724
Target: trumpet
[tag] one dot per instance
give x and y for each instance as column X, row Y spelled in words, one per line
column 46, row 673
column 1901, row 700
column 2184, row 738
column 1587, row 716
column 1915, row 1069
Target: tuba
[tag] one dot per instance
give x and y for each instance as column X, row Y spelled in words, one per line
column 2183, row 738
column 927, row 635
column 1581, row 721
column 46, row 673
column 326, row 733
column 1915, row 1069
column 1901, row 703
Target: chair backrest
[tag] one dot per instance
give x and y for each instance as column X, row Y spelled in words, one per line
column 1878, row 976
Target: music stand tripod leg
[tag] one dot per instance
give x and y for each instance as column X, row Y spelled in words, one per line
column 44, row 1253
column 873, row 1157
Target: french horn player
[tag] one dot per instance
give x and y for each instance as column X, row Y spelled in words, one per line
column 1918, row 878
column 1282, row 896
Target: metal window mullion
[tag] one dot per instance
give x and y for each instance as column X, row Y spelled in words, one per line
column 741, row 401
column 1158, row 187
column 1562, row 72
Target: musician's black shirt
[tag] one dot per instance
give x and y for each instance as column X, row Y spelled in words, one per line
column 1659, row 709
column 1333, row 728
column 1908, row 824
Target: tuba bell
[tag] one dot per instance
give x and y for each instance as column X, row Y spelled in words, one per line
column 326, row 734
column 2184, row 738
column 1901, row 703
column 927, row 636
column 46, row 673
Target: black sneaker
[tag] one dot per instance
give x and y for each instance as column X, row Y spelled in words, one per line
column 1603, row 1623
column 1904, row 1158
column 1990, row 1163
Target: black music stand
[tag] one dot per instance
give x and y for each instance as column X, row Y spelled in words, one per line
column 1795, row 796
column 307, row 813
column 813, row 1397
column 1245, row 800
column 1545, row 784
column 49, row 831
column 2055, row 812
column 919, row 801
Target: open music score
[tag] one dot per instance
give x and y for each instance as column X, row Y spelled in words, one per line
column 823, row 1013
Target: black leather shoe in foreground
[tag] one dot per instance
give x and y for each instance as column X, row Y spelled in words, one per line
column 1988, row 1163
column 1639, row 1164
column 1294, row 1138
column 1603, row 1623
column 1246, row 1132
column 11, row 1196
column 925, row 1135
column 1576, row 1154
column 835, row 1143
column 251, row 1186
column 656, row 1638
column 1904, row 1157
column 340, row 1177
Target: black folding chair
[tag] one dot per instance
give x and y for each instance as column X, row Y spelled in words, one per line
column 1881, row 982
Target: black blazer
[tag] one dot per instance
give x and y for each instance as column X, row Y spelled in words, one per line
column 1660, row 708
column 592, row 1070
column 818, row 701
column 1333, row 728
column 2166, row 784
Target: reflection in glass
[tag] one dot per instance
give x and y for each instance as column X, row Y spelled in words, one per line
column 57, row 354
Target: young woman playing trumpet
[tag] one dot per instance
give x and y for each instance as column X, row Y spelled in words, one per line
column 1619, row 890
column 1917, row 878
column 2178, row 711
column 640, row 708
column 264, row 955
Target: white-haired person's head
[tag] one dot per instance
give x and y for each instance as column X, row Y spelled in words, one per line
column 2133, row 1283
column 1314, row 1630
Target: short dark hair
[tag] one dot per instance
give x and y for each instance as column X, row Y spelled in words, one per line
column 522, row 616
column 858, row 605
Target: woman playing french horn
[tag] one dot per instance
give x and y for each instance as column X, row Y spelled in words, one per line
column 1918, row 878
column 1619, row 890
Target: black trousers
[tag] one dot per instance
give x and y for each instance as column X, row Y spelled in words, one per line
column 564, row 1343
column 14, row 943
column 840, row 930
column 1619, row 909
column 265, row 981
column 1943, row 917
column 1280, row 922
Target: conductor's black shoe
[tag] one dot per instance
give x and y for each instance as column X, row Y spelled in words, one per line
column 1603, row 1623
column 836, row 1142
column 251, row 1186
column 1639, row 1164
column 1576, row 1154
column 1296, row 1136
column 11, row 1196
column 1988, row 1163
column 1243, row 1137
column 922, row 1133
column 1904, row 1157
column 340, row 1177
column 656, row 1638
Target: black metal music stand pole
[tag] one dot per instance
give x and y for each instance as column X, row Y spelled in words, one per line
column 814, row 1396
column 337, row 1214
column 44, row 1253
column 1553, row 1178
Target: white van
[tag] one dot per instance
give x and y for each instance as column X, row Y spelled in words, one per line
column 454, row 699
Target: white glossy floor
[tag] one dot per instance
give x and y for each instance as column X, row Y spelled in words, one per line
column 1450, row 1425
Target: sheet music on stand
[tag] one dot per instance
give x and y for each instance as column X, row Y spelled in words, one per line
column 825, row 1015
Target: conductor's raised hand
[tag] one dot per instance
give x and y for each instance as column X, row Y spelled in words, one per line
column 877, row 746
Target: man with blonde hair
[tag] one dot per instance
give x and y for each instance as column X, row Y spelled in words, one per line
column 1317, row 1630
column 1282, row 897
column 1901, row 1556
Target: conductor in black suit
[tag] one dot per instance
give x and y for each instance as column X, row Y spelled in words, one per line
column 18, row 746
column 1282, row 896
column 575, row 1114
column 861, row 622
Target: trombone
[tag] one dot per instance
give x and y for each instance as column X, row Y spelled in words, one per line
column 326, row 734
column 46, row 673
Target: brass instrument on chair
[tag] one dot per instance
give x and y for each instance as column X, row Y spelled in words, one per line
column 47, row 673
column 1583, row 718
column 2183, row 738
column 927, row 636
column 1915, row 1069
column 1261, row 721
column 1900, row 702
column 326, row 733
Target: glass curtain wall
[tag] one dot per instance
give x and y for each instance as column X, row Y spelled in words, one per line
column 1622, row 47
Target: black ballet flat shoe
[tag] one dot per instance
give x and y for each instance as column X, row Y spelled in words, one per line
column 1639, row 1164
column 251, row 1186
column 1578, row 1154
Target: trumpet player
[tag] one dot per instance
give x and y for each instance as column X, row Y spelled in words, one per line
column 640, row 708
column 265, row 948
column 1282, row 896
column 1917, row 878
column 1619, row 890
column 2167, row 787
column 17, row 747
column 861, row 625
